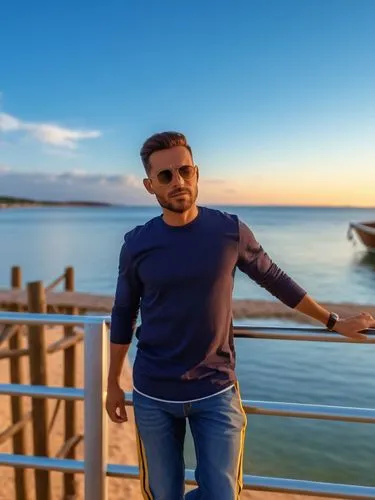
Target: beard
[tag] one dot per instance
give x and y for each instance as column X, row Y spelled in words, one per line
column 179, row 204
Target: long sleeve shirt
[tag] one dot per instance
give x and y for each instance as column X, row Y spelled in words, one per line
column 180, row 280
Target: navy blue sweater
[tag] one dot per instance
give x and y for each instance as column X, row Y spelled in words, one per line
column 180, row 279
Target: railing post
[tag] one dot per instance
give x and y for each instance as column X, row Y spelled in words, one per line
column 95, row 434
column 17, row 377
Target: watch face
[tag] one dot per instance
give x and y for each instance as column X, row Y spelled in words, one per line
column 333, row 317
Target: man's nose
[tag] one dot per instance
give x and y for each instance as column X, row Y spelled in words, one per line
column 178, row 180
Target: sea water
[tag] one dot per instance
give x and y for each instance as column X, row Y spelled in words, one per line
column 311, row 245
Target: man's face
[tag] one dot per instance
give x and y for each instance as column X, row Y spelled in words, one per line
column 173, row 179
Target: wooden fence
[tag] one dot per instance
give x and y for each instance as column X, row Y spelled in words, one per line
column 37, row 351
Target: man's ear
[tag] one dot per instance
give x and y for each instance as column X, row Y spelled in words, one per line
column 147, row 184
column 197, row 172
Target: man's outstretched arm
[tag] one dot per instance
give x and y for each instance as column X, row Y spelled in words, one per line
column 256, row 263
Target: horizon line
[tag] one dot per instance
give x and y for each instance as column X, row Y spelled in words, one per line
column 218, row 205
column 361, row 207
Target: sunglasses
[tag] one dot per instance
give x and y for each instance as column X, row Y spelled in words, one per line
column 165, row 176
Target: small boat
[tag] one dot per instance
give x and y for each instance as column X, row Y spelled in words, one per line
column 365, row 232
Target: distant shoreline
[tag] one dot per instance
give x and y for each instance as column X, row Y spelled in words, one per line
column 46, row 205
column 10, row 202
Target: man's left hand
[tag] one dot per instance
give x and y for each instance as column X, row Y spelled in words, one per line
column 352, row 326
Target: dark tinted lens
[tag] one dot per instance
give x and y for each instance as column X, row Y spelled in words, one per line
column 186, row 171
column 165, row 176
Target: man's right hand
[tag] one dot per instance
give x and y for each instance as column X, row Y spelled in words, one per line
column 115, row 403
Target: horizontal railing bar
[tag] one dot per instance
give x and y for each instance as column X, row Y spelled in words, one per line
column 42, row 463
column 298, row 410
column 309, row 488
column 43, row 391
column 270, row 329
column 265, row 332
column 304, row 338
column 50, row 319
column 250, row 482
column 309, row 334
column 302, row 410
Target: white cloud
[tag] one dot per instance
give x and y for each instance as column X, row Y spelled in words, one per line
column 47, row 133
column 9, row 123
column 59, row 136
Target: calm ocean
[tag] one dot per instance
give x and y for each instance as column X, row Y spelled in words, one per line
column 308, row 243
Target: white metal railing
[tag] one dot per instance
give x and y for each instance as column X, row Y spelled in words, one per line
column 96, row 468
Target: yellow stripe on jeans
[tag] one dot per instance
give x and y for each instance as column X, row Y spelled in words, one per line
column 143, row 471
column 242, row 447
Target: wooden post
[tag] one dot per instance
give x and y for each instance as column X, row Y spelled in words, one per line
column 70, row 381
column 38, row 376
column 17, row 377
column 16, row 277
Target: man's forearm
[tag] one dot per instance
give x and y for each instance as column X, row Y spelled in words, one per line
column 117, row 356
column 311, row 308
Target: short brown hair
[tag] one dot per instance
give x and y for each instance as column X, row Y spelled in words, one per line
column 160, row 141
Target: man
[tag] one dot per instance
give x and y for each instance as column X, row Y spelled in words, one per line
column 178, row 268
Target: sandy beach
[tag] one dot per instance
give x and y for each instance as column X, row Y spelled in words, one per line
column 122, row 446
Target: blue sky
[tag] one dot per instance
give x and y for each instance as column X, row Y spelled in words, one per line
column 277, row 98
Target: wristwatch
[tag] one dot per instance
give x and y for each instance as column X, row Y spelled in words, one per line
column 333, row 318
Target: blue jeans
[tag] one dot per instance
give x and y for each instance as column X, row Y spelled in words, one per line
column 217, row 424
